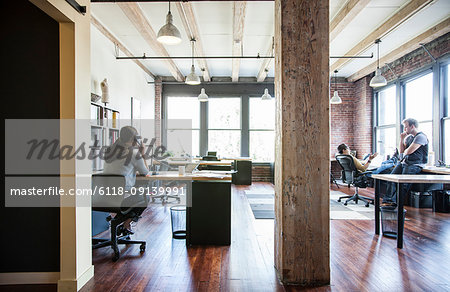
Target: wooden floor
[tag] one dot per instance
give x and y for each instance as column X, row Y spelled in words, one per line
column 360, row 260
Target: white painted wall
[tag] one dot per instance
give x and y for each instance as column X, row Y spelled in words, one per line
column 125, row 80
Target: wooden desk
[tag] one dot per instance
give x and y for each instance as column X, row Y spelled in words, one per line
column 215, row 163
column 400, row 179
column 208, row 210
column 436, row 170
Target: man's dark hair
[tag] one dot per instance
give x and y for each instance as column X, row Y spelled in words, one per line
column 341, row 148
column 411, row 122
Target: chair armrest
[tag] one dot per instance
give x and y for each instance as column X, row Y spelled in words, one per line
column 365, row 172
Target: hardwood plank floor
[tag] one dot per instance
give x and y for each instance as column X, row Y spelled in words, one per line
column 360, row 261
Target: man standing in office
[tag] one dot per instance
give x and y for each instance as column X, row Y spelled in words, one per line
column 413, row 154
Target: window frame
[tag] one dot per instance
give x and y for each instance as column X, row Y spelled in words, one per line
column 243, row 91
column 438, row 100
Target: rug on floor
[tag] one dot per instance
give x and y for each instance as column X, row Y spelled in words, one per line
column 262, row 205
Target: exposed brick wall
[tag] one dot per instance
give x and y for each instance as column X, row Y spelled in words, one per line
column 341, row 120
column 262, row 173
column 418, row 58
column 351, row 121
column 158, row 109
column 362, row 118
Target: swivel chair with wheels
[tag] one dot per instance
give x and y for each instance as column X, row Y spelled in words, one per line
column 351, row 176
column 106, row 189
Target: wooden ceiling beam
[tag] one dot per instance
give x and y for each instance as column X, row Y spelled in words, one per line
column 138, row 19
column 264, row 69
column 121, row 47
column 347, row 13
column 385, row 28
column 426, row 37
column 191, row 28
column 239, row 8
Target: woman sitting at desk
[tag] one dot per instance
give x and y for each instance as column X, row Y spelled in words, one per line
column 125, row 157
column 344, row 149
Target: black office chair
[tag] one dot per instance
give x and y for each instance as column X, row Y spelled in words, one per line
column 351, row 176
column 103, row 186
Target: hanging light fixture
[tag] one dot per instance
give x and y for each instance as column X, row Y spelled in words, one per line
column 266, row 95
column 169, row 33
column 203, row 96
column 378, row 80
column 336, row 99
column 192, row 78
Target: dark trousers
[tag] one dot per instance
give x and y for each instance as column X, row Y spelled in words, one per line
column 391, row 194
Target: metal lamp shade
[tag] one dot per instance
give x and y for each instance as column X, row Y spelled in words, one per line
column 202, row 96
column 336, row 99
column 169, row 33
column 378, row 80
column 266, row 95
column 192, row 78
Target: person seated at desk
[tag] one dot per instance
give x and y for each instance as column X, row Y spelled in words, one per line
column 125, row 157
column 344, row 149
column 414, row 150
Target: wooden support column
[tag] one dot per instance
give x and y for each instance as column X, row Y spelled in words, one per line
column 302, row 142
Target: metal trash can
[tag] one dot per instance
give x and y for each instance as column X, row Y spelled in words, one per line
column 178, row 219
column 389, row 221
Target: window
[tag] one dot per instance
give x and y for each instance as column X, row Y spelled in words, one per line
column 183, row 125
column 262, row 129
column 224, row 126
column 385, row 134
column 419, row 104
column 446, row 119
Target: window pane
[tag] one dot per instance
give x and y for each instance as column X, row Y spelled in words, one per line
column 224, row 113
column 447, row 141
column 262, row 146
column 387, row 107
column 183, row 108
column 447, row 91
column 226, row 143
column 262, row 113
column 386, row 141
column 419, row 98
column 181, row 142
column 427, row 128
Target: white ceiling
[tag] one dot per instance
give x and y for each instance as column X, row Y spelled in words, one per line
column 215, row 24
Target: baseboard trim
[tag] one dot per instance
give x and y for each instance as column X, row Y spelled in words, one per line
column 29, row 278
column 75, row 285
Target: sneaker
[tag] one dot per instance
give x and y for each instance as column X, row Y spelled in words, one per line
column 389, row 204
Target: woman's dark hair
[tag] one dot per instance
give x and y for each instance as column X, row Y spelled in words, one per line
column 121, row 147
column 341, row 148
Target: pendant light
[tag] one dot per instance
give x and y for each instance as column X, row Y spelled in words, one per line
column 266, row 95
column 169, row 33
column 378, row 80
column 192, row 78
column 336, row 99
column 202, row 96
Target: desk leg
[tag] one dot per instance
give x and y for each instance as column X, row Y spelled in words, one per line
column 188, row 212
column 400, row 217
column 377, row 206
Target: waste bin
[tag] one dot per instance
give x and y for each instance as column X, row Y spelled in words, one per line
column 441, row 201
column 389, row 220
column 178, row 219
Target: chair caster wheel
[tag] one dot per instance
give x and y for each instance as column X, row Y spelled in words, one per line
column 339, row 200
column 142, row 247
column 345, row 204
column 367, row 205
